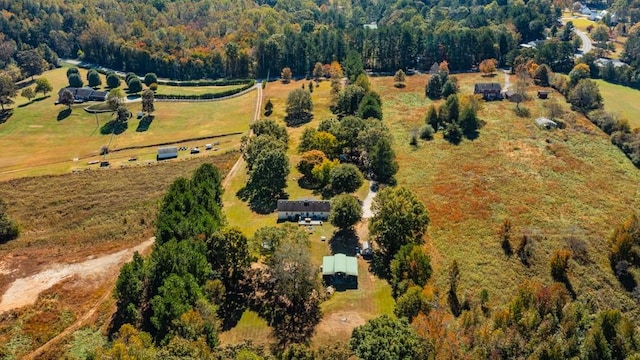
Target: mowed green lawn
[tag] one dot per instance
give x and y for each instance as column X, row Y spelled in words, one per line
column 553, row 185
column 621, row 100
column 38, row 140
column 581, row 22
column 194, row 90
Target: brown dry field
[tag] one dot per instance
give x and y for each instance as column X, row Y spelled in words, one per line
column 552, row 184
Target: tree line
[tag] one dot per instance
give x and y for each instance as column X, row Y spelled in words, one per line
column 172, row 39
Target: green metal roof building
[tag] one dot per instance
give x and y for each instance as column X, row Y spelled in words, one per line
column 340, row 270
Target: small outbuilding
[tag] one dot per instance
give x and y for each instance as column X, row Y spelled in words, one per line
column 168, row 152
column 489, row 91
column 297, row 210
column 340, row 270
column 546, row 124
column 543, row 94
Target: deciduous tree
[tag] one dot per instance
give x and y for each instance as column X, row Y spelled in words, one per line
column 66, row 98
column 43, row 85
column 299, row 107
column 399, row 79
column 411, row 266
column 252, row 147
column 31, row 62
column 150, row 78
column 113, row 81
column 148, row 102
column 384, row 338
column 115, row 98
column 271, row 128
column 345, row 178
column 585, row 96
column 267, row 180
column 286, row 75
column 345, row 211
column 295, row 304
column 93, row 78
column 309, row 160
column 411, row 303
column 579, row 72
column 28, row 93
column 134, row 85
column 399, row 219
column 488, row 66
column 75, row 81
column 318, row 71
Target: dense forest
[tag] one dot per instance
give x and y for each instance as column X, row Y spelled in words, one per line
column 240, row 39
column 213, row 39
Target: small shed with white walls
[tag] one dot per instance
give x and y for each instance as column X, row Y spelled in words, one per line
column 168, row 152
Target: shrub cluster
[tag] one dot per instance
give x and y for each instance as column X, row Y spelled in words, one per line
column 621, row 134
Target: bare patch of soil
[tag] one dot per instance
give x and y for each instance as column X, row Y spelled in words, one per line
column 340, row 324
column 24, row 291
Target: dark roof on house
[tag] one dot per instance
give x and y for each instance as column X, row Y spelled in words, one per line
column 304, row 205
column 85, row 93
column 482, row 87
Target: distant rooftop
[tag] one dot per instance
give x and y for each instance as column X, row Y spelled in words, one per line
column 372, row 26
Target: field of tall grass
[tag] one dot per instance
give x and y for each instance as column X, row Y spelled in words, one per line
column 553, row 185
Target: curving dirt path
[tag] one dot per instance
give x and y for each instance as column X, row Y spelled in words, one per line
column 25, row 291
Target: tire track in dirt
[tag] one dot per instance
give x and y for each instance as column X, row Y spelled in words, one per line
column 256, row 117
column 25, row 291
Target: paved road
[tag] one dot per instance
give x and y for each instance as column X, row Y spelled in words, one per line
column 586, row 42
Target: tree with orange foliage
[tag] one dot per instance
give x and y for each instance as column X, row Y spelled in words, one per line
column 488, row 66
column 444, row 66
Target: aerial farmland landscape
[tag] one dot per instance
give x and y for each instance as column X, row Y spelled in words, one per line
column 327, row 179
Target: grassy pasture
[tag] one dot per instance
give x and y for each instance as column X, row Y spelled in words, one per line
column 621, row 100
column 194, row 90
column 552, row 184
column 41, row 143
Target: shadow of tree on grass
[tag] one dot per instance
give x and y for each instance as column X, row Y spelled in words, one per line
column 144, row 123
column 114, row 127
column 344, row 242
column 5, row 115
column 63, row 114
